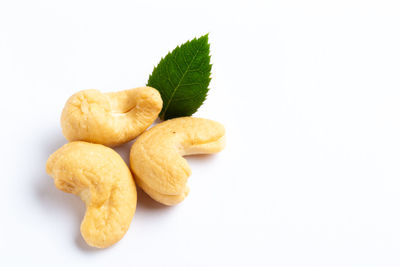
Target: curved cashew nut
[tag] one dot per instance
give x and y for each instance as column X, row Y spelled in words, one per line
column 156, row 156
column 104, row 182
column 110, row 119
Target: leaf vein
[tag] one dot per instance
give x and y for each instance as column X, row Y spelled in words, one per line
column 176, row 63
column 180, row 80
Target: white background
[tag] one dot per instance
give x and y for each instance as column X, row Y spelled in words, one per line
column 309, row 92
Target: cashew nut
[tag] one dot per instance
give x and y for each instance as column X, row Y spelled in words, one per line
column 156, row 156
column 110, row 119
column 104, row 182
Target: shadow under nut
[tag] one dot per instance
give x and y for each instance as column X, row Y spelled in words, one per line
column 110, row 119
column 156, row 157
column 104, row 182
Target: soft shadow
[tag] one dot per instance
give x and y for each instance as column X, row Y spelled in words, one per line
column 81, row 244
column 54, row 200
column 51, row 144
column 157, row 121
column 200, row 158
column 145, row 202
column 124, row 151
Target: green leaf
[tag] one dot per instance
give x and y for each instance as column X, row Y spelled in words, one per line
column 182, row 78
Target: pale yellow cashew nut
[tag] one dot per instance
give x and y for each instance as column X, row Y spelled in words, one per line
column 110, row 119
column 104, row 182
column 156, row 156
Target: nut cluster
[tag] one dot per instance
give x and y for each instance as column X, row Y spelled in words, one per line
column 87, row 167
